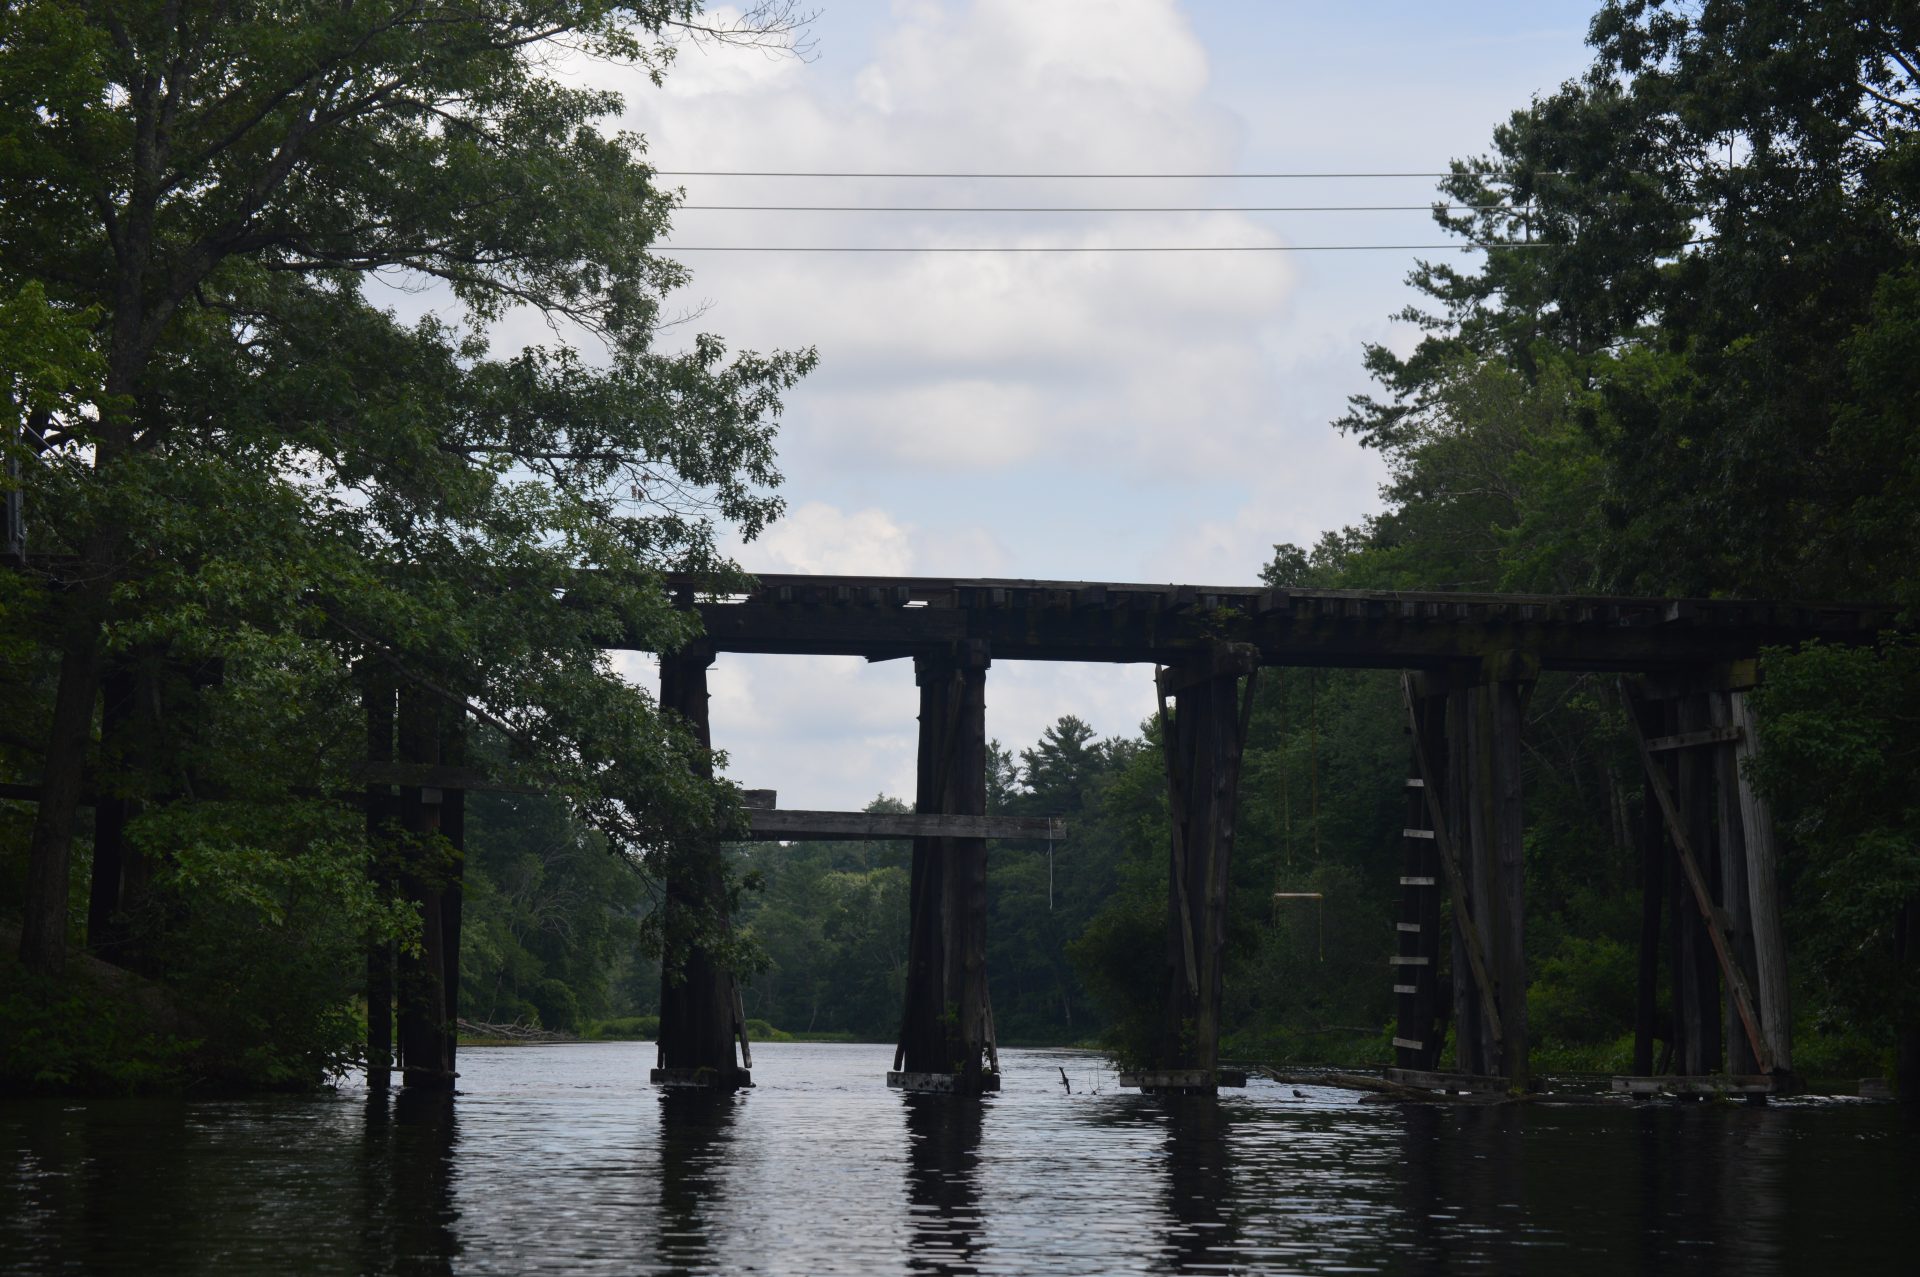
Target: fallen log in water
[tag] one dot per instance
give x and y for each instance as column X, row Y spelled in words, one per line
column 1377, row 1090
column 515, row 1032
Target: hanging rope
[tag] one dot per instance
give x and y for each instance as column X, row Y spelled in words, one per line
column 1319, row 911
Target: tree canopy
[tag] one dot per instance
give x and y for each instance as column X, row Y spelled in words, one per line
column 236, row 456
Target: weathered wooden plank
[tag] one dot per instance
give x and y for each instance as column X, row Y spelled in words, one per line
column 1730, row 843
column 705, row 1079
column 795, row 825
column 1183, row 1079
column 938, row 1083
column 1707, row 1084
column 1432, row 1080
column 1763, row 895
column 1719, row 735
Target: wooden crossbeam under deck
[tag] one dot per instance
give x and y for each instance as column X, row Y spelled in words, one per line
column 799, row 826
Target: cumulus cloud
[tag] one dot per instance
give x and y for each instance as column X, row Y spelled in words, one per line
column 815, row 537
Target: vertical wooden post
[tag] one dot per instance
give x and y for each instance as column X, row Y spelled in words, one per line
column 423, row 1022
column 1507, row 695
column 1483, row 857
column 1763, row 894
column 1203, row 744
column 946, row 1029
column 1654, row 861
column 1698, row 972
column 696, row 992
column 1484, row 723
column 453, row 828
column 1735, row 895
column 1471, row 1053
column 922, row 1046
column 377, row 696
column 1421, row 1021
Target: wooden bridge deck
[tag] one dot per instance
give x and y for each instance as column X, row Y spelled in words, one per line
column 883, row 618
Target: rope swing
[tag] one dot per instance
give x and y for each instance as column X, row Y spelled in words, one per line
column 1319, row 910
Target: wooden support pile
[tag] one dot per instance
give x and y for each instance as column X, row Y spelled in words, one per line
column 947, row 1040
column 1708, row 855
column 700, row 1011
column 1201, row 741
column 1465, row 726
column 418, row 836
column 1422, row 1009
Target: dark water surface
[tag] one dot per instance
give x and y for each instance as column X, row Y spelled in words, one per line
column 562, row 1159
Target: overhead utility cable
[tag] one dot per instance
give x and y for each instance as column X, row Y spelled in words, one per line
column 1085, row 248
column 1075, row 208
column 691, row 172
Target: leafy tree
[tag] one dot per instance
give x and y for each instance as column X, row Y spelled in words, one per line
column 268, row 459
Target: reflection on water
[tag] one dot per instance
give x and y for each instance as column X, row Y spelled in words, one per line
column 561, row 1159
column 695, row 1137
column 421, row 1133
column 1199, row 1185
column 943, row 1194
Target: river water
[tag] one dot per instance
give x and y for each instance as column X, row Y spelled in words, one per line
column 563, row 1159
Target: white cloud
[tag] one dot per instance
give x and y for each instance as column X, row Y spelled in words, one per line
column 816, row 537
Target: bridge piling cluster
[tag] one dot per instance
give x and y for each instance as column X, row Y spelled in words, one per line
column 417, row 834
column 700, row 1009
column 1201, row 743
column 1471, row 661
column 1709, row 863
column 946, row 1033
column 1465, row 835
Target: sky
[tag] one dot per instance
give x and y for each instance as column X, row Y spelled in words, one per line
column 1100, row 416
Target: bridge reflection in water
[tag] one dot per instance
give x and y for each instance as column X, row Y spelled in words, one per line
column 560, row 1159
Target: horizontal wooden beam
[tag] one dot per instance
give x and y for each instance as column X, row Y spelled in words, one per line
column 435, row 776
column 1688, row 740
column 798, row 826
column 1709, row 1084
column 882, row 618
column 1430, row 1080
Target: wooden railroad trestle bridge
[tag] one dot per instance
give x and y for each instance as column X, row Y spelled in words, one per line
column 1469, row 663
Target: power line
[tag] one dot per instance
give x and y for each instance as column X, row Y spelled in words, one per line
column 1212, row 208
column 691, row 172
column 1086, row 248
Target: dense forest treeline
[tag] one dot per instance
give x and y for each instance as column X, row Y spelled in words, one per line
column 1678, row 362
